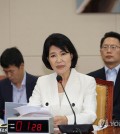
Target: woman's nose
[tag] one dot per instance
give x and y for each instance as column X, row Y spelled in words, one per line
column 59, row 58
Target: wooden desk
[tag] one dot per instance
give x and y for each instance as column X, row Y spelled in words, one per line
column 109, row 130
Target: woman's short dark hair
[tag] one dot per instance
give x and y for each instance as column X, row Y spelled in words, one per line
column 11, row 56
column 62, row 42
column 109, row 34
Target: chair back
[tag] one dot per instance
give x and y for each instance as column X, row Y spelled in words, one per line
column 104, row 91
column 2, row 77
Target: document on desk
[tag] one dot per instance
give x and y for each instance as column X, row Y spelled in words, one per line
column 28, row 110
column 10, row 111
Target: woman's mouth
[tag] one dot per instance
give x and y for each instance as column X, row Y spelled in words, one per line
column 60, row 66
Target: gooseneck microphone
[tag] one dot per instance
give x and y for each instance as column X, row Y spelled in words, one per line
column 75, row 128
column 59, row 79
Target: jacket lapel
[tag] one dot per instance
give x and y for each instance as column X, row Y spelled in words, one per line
column 102, row 74
column 117, row 87
column 8, row 91
column 53, row 89
column 72, row 86
column 28, row 93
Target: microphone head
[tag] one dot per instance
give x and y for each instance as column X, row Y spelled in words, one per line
column 59, row 78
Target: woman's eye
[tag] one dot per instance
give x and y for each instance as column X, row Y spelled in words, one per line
column 63, row 54
column 52, row 56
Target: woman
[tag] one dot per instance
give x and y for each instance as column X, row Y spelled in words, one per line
column 60, row 55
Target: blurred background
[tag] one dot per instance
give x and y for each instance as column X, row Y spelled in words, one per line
column 27, row 23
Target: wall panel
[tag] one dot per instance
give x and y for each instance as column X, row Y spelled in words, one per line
column 27, row 23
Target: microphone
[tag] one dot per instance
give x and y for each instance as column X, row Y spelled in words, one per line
column 75, row 128
column 59, row 79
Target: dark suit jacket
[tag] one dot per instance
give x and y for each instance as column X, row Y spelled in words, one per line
column 116, row 97
column 6, row 91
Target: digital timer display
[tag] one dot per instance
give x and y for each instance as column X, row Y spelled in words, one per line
column 28, row 126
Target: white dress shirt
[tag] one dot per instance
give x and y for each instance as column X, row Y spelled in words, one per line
column 111, row 74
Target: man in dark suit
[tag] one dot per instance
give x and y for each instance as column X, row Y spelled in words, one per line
column 110, row 53
column 18, row 84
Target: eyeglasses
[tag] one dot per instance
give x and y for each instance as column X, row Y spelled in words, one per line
column 112, row 47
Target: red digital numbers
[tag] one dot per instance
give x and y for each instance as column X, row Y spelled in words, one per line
column 28, row 125
column 36, row 127
column 18, row 126
column 33, row 127
column 39, row 127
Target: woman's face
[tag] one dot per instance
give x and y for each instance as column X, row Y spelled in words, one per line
column 59, row 60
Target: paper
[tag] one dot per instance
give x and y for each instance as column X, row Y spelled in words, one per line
column 1, row 121
column 10, row 111
column 98, row 128
column 28, row 110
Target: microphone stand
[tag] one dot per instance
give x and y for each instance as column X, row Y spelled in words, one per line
column 70, row 104
column 76, row 128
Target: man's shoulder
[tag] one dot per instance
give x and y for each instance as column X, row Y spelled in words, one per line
column 32, row 79
column 31, row 76
column 5, row 83
column 5, row 80
column 97, row 73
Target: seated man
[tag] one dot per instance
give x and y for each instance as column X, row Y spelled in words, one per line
column 110, row 53
column 18, row 84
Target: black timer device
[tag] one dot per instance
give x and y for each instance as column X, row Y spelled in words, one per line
column 30, row 125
